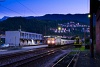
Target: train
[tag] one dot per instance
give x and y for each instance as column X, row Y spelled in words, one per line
column 58, row 41
column 78, row 42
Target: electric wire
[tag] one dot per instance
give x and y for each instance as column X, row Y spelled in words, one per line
column 26, row 7
column 10, row 9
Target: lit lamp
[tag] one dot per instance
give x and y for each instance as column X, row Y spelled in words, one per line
column 89, row 16
column 59, row 28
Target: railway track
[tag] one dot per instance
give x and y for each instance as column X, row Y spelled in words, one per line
column 69, row 60
column 35, row 57
column 26, row 57
column 9, row 59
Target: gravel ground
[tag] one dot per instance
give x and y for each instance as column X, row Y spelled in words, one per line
column 85, row 60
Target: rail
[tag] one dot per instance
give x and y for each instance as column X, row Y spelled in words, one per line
column 69, row 59
column 27, row 58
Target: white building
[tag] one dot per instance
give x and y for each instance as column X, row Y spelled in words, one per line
column 21, row 38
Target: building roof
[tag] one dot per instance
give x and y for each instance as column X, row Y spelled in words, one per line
column 24, row 32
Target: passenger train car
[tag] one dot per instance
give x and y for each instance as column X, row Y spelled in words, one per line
column 56, row 41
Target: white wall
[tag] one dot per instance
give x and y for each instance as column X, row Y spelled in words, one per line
column 12, row 38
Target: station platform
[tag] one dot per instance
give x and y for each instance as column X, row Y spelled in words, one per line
column 25, row 48
column 85, row 60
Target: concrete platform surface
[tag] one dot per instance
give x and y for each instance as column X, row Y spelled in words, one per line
column 85, row 60
column 26, row 48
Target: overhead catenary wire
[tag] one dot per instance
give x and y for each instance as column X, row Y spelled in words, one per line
column 10, row 9
column 26, row 7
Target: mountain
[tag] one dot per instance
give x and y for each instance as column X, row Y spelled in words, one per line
column 4, row 18
column 30, row 25
column 83, row 18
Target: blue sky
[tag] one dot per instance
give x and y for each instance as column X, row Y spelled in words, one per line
column 42, row 7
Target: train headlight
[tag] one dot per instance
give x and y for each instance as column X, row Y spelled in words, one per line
column 53, row 41
column 48, row 41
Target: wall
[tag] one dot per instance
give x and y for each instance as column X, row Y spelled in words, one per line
column 12, row 38
column 98, row 31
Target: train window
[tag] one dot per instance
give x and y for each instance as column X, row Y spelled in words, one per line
column 77, row 41
column 63, row 41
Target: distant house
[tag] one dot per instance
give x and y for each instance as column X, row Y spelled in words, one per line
column 22, row 38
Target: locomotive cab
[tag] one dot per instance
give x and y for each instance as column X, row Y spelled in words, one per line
column 78, row 42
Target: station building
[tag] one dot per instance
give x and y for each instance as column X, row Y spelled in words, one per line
column 22, row 38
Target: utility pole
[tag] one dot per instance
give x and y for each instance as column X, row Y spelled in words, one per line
column 91, row 29
column 45, row 30
column 84, row 36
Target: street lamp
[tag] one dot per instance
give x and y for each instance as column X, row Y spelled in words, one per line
column 91, row 29
column 89, row 16
column 59, row 28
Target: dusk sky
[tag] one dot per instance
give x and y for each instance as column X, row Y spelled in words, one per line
column 42, row 7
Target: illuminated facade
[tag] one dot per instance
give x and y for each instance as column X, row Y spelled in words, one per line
column 21, row 38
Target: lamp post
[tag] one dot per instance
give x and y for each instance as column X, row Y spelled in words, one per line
column 91, row 29
column 59, row 29
column 84, row 36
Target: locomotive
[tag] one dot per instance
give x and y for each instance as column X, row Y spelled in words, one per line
column 78, row 42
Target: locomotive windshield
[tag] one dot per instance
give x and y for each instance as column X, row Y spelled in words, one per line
column 77, row 41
